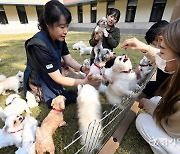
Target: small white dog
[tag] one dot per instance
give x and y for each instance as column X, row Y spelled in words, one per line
column 11, row 133
column 123, row 80
column 101, row 27
column 31, row 100
column 2, row 77
column 89, row 115
column 12, row 83
column 86, row 50
column 28, row 136
column 144, row 68
column 79, row 45
column 16, row 105
column 100, row 60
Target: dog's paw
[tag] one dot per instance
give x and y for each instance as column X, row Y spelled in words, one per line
column 105, row 33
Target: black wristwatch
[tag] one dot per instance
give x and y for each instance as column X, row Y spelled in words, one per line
column 81, row 68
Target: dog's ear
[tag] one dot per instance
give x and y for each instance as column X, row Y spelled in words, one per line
column 5, row 128
column 80, row 87
column 62, row 105
column 98, row 22
column 52, row 103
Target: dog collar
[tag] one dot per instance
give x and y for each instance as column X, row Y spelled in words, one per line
column 57, row 110
column 99, row 67
column 142, row 65
column 126, row 71
column 16, row 131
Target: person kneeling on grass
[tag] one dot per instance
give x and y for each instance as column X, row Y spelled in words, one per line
column 44, row 51
column 160, row 127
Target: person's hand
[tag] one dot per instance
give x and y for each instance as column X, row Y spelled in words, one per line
column 98, row 36
column 94, row 80
column 134, row 44
column 141, row 103
column 85, row 69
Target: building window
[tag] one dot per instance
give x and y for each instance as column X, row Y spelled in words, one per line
column 157, row 10
column 39, row 10
column 80, row 14
column 22, row 14
column 110, row 6
column 3, row 18
column 93, row 13
column 131, row 10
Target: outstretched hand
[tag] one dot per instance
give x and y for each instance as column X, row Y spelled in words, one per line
column 134, row 44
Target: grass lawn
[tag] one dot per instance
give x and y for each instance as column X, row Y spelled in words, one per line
column 12, row 53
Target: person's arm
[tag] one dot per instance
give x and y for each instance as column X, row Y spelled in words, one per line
column 74, row 64
column 113, row 39
column 148, row 105
column 147, row 50
column 171, row 123
column 66, row 81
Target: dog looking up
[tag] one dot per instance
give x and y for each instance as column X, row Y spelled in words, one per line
column 123, row 80
column 101, row 27
column 11, row 133
column 28, row 136
column 11, row 83
column 89, row 115
column 44, row 140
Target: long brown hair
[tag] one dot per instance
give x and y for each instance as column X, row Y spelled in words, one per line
column 171, row 87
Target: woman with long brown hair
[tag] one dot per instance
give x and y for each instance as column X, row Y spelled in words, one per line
column 160, row 127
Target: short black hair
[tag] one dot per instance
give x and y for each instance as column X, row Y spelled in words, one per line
column 52, row 12
column 155, row 30
column 114, row 12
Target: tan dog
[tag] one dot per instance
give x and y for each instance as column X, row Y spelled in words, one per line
column 44, row 140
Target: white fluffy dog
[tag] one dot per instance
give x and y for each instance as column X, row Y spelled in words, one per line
column 144, row 68
column 123, row 80
column 31, row 100
column 86, row 50
column 16, row 105
column 11, row 133
column 101, row 27
column 28, row 136
column 2, row 77
column 79, row 45
column 12, row 83
column 89, row 115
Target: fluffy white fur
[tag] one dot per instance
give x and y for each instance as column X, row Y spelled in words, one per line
column 100, row 60
column 123, row 80
column 79, row 45
column 31, row 100
column 86, row 50
column 89, row 115
column 11, row 133
column 16, row 106
column 12, row 83
column 144, row 68
column 101, row 27
column 2, row 77
column 28, row 136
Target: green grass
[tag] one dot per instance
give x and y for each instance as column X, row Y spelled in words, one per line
column 12, row 53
